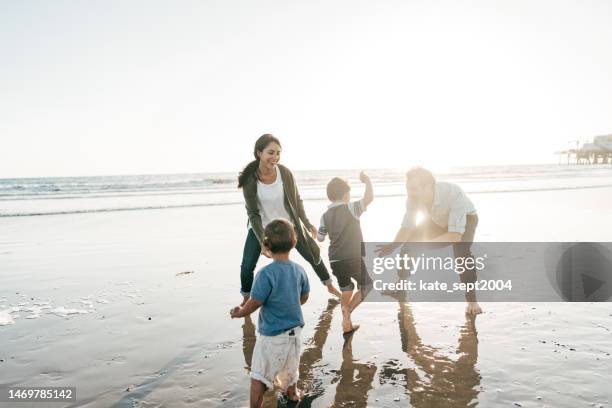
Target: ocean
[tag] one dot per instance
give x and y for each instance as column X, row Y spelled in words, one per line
column 69, row 195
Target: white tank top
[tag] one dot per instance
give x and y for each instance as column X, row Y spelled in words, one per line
column 271, row 200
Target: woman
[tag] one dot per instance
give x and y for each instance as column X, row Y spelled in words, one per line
column 270, row 192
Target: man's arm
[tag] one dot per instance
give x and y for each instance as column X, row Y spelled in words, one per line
column 303, row 298
column 403, row 235
column 249, row 307
column 450, row 237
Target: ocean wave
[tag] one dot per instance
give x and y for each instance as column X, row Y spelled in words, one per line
column 85, row 190
column 241, row 202
column 115, row 209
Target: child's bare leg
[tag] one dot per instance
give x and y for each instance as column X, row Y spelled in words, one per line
column 244, row 300
column 473, row 308
column 293, row 393
column 345, row 301
column 355, row 300
column 332, row 289
column 258, row 390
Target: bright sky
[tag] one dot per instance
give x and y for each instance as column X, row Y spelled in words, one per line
column 123, row 87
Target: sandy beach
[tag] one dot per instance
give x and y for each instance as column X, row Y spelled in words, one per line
column 134, row 134
column 132, row 308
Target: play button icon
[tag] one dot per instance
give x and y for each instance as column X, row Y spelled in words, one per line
column 590, row 285
column 584, row 273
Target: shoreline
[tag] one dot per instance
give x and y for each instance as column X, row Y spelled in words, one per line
column 190, row 353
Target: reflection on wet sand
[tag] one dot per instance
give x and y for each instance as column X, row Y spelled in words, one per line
column 354, row 379
column 438, row 381
column 310, row 383
column 248, row 341
column 310, row 370
column 248, row 345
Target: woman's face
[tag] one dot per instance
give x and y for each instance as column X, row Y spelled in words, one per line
column 270, row 156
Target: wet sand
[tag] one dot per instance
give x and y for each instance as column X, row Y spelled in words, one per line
column 95, row 302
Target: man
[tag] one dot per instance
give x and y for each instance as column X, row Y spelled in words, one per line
column 450, row 218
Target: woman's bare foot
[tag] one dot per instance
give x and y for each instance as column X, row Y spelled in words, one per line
column 473, row 308
column 332, row 289
column 293, row 393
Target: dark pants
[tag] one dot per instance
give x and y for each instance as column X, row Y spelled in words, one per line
column 250, row 256
column 429, row 230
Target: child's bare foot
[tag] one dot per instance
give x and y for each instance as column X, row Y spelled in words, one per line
column 349, row 334
column 347, row 324
column 473, row 308
column 346, row 320
column 293, row 394
column 332, row 289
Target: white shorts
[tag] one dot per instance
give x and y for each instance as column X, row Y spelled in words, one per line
column 276, row 359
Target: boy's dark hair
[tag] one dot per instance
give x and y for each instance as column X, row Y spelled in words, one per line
column 279, row 236
column 336, row 188
column 423, row 176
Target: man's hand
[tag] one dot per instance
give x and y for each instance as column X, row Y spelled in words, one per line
column 384, row 250
column 235, row 312
column 313, row 232
column 449, row 237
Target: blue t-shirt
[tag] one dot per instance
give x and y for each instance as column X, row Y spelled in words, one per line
column 278, row 287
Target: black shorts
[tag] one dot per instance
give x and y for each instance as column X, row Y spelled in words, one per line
column 346, row 270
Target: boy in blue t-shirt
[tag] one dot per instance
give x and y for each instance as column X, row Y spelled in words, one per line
column 280, row 288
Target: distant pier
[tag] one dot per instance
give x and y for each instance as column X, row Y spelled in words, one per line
column 597, row 152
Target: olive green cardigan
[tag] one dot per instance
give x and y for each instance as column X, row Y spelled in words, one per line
column 293, row 205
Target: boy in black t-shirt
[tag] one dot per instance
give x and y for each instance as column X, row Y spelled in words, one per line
column 341, row 222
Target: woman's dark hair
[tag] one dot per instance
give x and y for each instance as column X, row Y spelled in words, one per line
column 279, row 236
column 250, row 169
column 337, row 188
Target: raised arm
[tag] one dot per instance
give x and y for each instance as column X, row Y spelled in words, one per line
column 368, row 196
